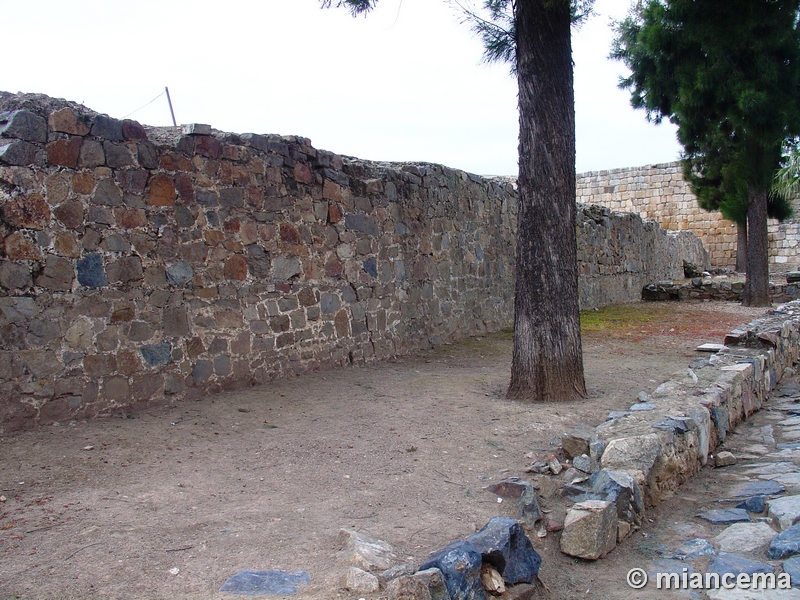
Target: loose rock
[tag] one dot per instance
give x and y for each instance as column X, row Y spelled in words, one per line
column 365, row 552
column 360, row 581
column 590, row 530
column 724, row 459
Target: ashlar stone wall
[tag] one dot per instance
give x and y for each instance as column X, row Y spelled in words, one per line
column 142, row 265
column 659, row 192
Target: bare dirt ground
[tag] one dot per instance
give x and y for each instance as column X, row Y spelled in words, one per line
column 171, row 502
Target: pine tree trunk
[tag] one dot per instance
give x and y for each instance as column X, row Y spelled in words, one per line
column 548, row 360
column 741, row 248
column 756, row 287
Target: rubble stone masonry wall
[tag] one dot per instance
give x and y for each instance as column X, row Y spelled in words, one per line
column 659, row 192
column 142, row 265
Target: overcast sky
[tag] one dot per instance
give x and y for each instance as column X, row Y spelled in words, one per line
column 404, row 83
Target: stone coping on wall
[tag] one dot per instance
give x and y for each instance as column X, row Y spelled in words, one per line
column 659, row 444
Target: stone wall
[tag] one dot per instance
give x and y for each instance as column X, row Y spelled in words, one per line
column 618, row 252
column 659, row 192
column 143, row 265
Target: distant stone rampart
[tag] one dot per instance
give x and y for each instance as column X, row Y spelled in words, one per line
column 659, row 192
column 142, row 265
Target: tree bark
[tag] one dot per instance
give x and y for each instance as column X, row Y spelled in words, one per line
column 741, row 248
column 548, row 360
column 756, row 287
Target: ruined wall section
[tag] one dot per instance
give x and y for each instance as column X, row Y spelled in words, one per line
column 620, row 253
column 139, row 265
column 659, row 192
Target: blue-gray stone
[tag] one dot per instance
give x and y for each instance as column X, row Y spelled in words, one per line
column 362, row 223
column 24, row 125
column 758, row 488
column 755, row 504
column 329, row 303
column 91, row 272
column 107, row 128
column 371, row 266
column 792, row 567
column 286, row 267
column 180, row 273
column 460, row 564
column 504, row 545
column 156, row 354
column 691, row 549
column 785, row 544
column 725, row 562
column 596, row 449
column 621, row 489
column 719, row 415
column 788, row 445
column 17, row 152
column 273, row 582
column 643, row 406
column 617, row 414
column 674, row 425
column 724, row 517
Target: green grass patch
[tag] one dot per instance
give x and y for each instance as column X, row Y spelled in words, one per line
column 623, row 316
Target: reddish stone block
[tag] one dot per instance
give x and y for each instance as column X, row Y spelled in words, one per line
column 232, row 225
column 70, row 214
column 175, row 162
column 66, row 121
column 130, row 218
column 335, row 213
column 302, row 173
column 230, row 152
column 64, row 153
column 254, row 197
column 183, row 183
column 333, row 268
column 213, row 237
column 18, row 247
column 289, row 233
column 342, row 323
column 206, row 145
column 134, row 182
column 133, row 130
column 331, row 191
column 235, row 268
column 66, row 244
column 96, row 365
column 241, row 344
column 162, row 191
column 124, row 314
column 27, row 212
column 83, row 183
column 128, row 362
column 194, row 347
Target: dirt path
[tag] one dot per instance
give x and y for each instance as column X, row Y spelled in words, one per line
column 170, row 503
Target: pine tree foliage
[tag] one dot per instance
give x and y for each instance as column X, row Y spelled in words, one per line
column 727, row 73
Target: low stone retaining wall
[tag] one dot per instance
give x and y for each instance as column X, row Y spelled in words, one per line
column 646, row 452
column 711, row 289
